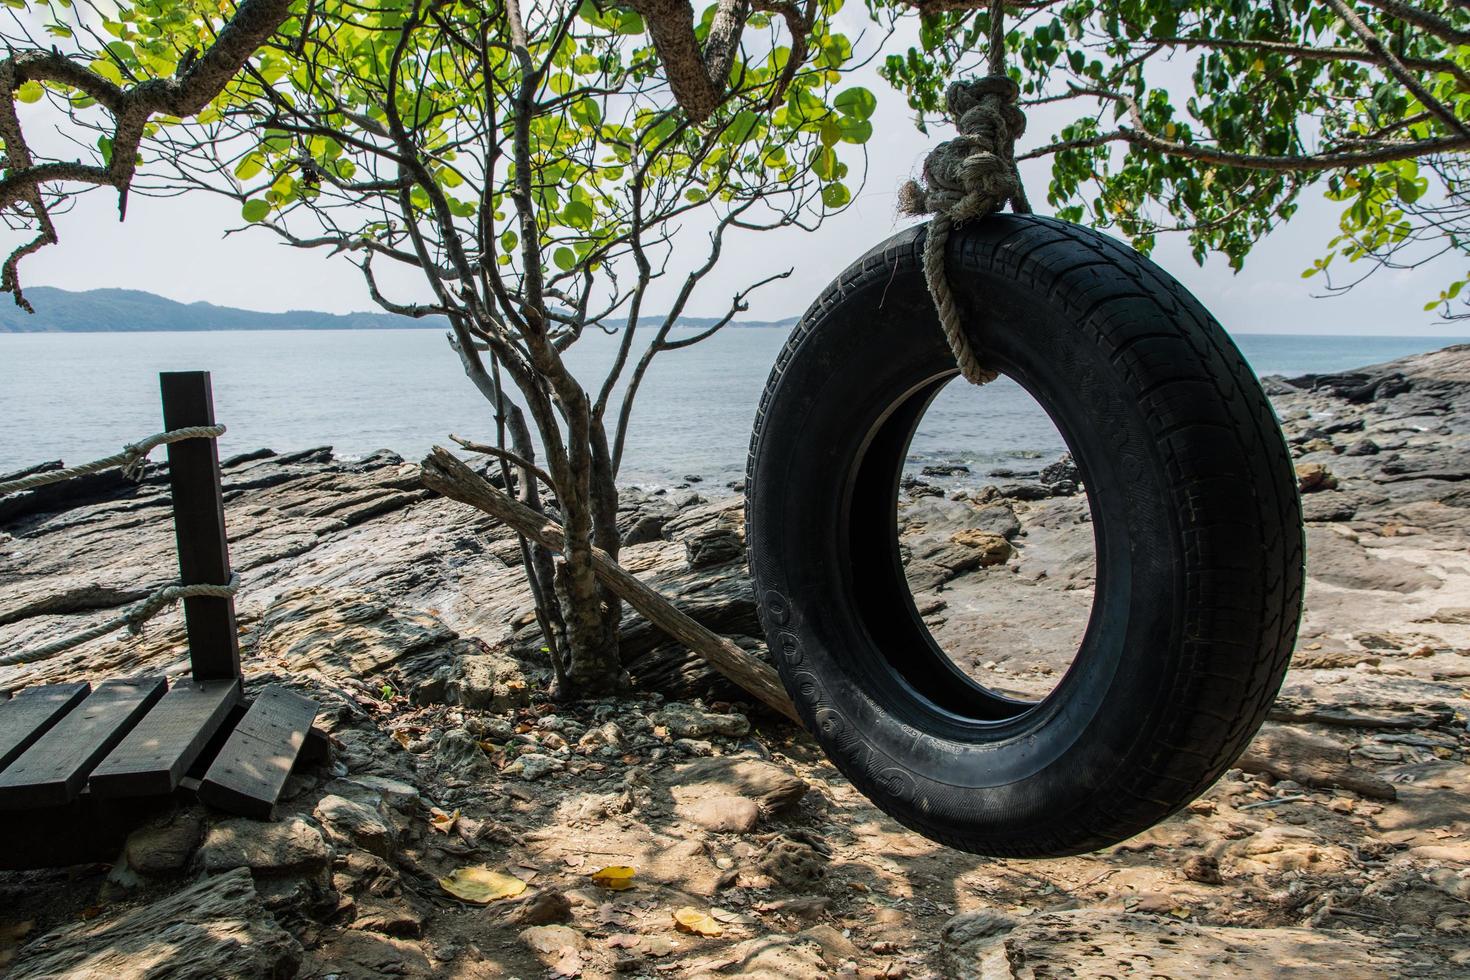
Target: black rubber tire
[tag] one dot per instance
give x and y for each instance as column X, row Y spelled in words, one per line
column 1197, row 528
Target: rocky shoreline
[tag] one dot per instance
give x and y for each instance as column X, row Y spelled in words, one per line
column 1341, row 843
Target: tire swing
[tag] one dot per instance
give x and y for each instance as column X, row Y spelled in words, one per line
column 1196, row 520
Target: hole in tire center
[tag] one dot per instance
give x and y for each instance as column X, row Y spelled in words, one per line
column 995, row 535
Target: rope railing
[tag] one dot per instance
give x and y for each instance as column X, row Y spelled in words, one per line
column 132, row 460
column 134, row 618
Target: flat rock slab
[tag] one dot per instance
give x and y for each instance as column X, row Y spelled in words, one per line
column 1096, row 943
column 216, row 928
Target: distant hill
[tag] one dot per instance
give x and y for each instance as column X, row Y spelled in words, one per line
column 126, row 310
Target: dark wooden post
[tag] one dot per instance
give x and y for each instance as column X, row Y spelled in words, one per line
column 199, row 524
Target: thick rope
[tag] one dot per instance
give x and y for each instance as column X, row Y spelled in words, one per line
column 968, row 177
column 133, row 459
column 133, row 618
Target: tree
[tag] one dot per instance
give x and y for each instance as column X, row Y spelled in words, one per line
column 533, row 164
column 1366, row 97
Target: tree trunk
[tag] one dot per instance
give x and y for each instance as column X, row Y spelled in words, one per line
column 447, row 475
column 591, row 612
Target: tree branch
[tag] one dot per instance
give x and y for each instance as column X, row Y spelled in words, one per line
column 445, row 474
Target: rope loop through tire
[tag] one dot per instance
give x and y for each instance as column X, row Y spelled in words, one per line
column 965, row 178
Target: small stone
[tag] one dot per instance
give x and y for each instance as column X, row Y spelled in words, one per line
column 1363, row 447
column 1311, row 477
column 722, row 814
column 457, row 749
column 795, row 864
column 994, row 549
column 559, row 948
column 1203, row 869
column 532, row 766
column 351, row 824
column 290, row 846
column 694, row 747
column 686, row 721
column 491, row 729
column 606, row 735
column 544, row 908
column 836, row 948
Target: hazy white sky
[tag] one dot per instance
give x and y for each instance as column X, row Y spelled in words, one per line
column 177, row 248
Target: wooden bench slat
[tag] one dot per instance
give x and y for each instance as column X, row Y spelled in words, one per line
column 157, row 753
column 28, row 716
column 54, row 769
column 250, row 771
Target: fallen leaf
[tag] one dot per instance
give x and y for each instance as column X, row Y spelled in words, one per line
column 618, row 877
column 442, row 821
column 481, row 886
column 402, row 738
column 692, row 920
column 622, row 940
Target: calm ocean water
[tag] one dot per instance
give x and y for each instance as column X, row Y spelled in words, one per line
column 78, row 396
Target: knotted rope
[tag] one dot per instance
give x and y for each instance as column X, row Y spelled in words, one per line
column 968, row 177
column 133, row 459
column 133, row 618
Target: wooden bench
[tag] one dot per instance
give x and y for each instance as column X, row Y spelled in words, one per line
column 80, row 766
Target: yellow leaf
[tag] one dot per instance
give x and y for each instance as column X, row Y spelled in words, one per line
column 692, row 920
column 441, row 821
column 618, row 877
column 402, row 738
column 481, row 886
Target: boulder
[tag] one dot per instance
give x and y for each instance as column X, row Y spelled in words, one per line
column 1288, row 752
column 487, row 681
column 352, row 824
column 686, row 721
column 992, row 549
column 215, row 928
column 292, row 846
column 713, row 546
column 458, row 750
column 164, row 846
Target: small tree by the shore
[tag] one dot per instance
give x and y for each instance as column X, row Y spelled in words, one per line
column 530, row 163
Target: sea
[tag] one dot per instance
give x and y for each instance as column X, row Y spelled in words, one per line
column 79, row 396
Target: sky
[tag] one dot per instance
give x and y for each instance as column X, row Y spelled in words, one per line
column 177, row 248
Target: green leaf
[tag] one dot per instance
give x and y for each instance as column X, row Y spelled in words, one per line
column 836, row 195
column 857, row 102
column 564, row 258
column 255, row 210
column 30, row 92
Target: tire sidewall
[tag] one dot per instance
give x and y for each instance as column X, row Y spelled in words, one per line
column 860, row 347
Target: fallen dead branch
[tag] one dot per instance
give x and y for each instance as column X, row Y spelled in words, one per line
column 445, row 474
